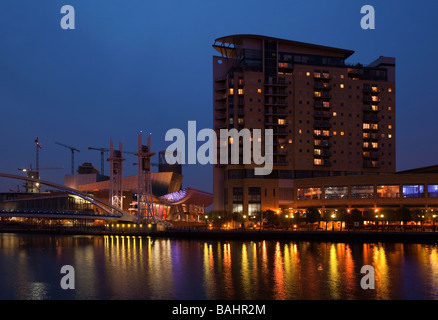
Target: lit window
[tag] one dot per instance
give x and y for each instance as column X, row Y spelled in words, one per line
column 366, row 125
column 308, row 74
column 389, row 127
column 281, row 121
column 290, row 140
column 259, row 90
column 317, row 94
column 389, row 90
column 342, row 76
column 342, row 133
column 231, row 91
column 335, row 133
column 374, row 108
column 317, row 161
column 240, row 91
column 231, row 140
column 299, row 131
column 341, row 86
column 334, row 114
column 389, row 108
column 389, row 136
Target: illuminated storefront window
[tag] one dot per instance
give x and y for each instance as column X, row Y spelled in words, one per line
column 413, row 191
column 362, row 192
column 309, row 193
column 336, row 192
column 432, row 190
column 388, row 191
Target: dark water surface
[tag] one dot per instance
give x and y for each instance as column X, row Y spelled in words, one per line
column 145, row 268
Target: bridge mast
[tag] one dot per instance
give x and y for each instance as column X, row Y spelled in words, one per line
column 144, row 196
column 116, row 190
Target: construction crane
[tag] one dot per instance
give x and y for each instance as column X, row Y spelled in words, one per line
column 72, row 149
column 38, row 146
column 102, row 158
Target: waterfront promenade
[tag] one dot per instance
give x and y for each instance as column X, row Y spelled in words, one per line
column 413, row 235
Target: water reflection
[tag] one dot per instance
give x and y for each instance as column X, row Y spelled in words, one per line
column 126, row 267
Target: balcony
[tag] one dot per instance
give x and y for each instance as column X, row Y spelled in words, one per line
column 275, row 113
column 322, row 114
column 371, row 118
column 322, row 143
column 370, row 155
column 321, row 153
column 371, row 137
column 221, row 97
column 370, row 164
column 322, row 124
column 276, row 83
column 370, row 108
column 322, row 162
column 321, row 104
column 221, row 117
column 220, row 107
column 370, row 99
column 322, row 95
column 277, row 94
column 321, row 76
column 371, row 89
column 321, row 85
column 275, row 103
column 280, row 132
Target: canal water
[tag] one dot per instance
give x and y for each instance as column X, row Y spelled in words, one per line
column 116, row 267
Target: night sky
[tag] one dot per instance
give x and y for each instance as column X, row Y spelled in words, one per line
column 140, row 65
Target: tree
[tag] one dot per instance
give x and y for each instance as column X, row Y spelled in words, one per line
column 404, row 214
column 312, row 215
column 270, row 216
column 356, row 216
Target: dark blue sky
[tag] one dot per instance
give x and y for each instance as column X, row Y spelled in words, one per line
column 139, row 65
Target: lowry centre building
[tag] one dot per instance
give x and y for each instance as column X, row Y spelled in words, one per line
column 334, row 139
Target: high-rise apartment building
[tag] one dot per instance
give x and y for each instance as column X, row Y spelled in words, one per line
column 329, row 118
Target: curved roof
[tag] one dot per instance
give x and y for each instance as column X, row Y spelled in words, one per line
column 188, row 196
column 237, row 39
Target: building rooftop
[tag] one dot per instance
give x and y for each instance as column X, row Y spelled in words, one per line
column 226, row 45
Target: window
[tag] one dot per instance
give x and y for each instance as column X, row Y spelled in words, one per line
column 238, row 199
column 281, row 121
column 231, row 90
column 341, row 86
column 336, row 192
column 309, row 193
column 259, row 90
column 240, row 91
column 432, row 190
column 317, row 162
column 308, row 74
column 389, row 127
column 413, row 191
column 388, row 191
column 366, row 125
column 362, row 192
